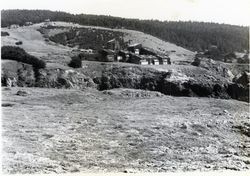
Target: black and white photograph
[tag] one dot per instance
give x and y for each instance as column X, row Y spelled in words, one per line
column 125, row 87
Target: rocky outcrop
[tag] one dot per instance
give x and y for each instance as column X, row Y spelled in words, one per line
column 238, row 92
column 201, row 83
column 168, row 83
column 17, row 74
column 240, row 89
column 24, row 75
column 58, row 78
column 217, row 67
column 132, row 93
column 243, row 79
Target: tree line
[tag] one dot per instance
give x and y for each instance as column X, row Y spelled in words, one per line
column 196, row 36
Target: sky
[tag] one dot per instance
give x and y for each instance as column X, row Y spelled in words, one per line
column 235, row 12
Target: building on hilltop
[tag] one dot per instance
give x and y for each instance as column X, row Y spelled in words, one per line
column 135, row 53
column 135, row 48
column 125, row 55
column 28, row 23
column 164, row 59
column 113, row 45
column 107, row 55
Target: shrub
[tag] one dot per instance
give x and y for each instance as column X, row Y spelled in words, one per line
column 75, row 62
column 4, row 34
column 19, row 43
column 196, row 62
column 18, row 54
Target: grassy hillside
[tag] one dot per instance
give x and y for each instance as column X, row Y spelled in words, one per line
column 59, row 131
column 35, row 40
column 192, row 35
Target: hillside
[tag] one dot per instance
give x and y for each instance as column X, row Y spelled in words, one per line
column 34, row 40
column 57, row 42
column 192, row 35
column 190, row 115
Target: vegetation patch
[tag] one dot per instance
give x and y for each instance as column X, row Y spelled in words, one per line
column 75, row 62
column 18, row 54
column 7, row 104
column 88, row 38
column 19, row 43
column 4, row 34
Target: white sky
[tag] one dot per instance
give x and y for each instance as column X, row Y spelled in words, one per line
column 221, row 11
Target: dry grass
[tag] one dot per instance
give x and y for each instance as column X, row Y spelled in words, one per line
column 58, row 131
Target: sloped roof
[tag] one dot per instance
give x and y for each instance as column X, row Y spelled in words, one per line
column 134, row 45
column 108, row 51
column 112, row 40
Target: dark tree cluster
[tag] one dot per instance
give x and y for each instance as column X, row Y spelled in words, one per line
column 95, row 38
column 76, row 62
column 4, row 34
column 196, row 36
column 18, row 54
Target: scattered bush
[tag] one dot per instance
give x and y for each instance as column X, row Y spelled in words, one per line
column 196, row 62
column 75, row 62
column 18, row 54
column 86, row 38
column 7, row 104
column 4, row 34
column 19, row 43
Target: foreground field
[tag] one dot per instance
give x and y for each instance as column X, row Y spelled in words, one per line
column 122, row 130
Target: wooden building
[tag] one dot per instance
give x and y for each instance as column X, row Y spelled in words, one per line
column 124, row 54
column 164, row 59
column 106, row 55
column 143, row 62
column 135, row 48
column 155, row 61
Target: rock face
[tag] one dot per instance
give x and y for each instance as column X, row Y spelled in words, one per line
column 17, row 74
column 240, row 89
column 168, row 83
column 243, row 79
column 57, row 78
column 176, row 83
column 132, row 93
column 216, row 67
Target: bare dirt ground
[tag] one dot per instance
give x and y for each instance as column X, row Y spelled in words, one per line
column 59, row 131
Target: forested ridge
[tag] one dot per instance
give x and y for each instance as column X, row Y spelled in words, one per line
column 196, row 36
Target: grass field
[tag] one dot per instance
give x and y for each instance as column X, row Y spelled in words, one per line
column 59, row 131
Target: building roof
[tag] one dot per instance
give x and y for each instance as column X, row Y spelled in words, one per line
column 108, row 51
column 134, row 45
